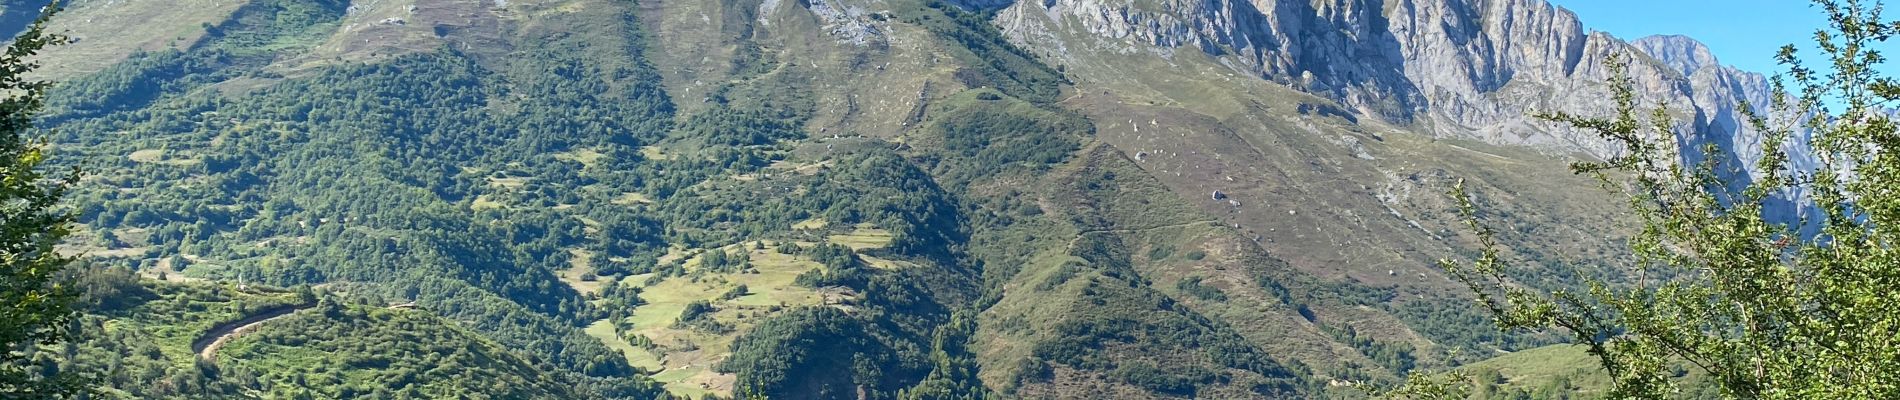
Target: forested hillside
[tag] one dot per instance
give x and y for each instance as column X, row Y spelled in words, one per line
column 874, row 199
column 156, row 340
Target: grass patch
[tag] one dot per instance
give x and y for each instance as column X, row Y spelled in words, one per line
column 864, row 238
column 157, row 156
column 1567, row 368
column 587, row 157
column 631, row 198
column 811, row 224
column 507, row 183
column 484, row 202
column 881, row 263
column 638, row 357
column 654, row 153
column 679, row 381
column 675, row 253
column 812, row 168
column 1542, row 365
column 580, row 263
column 147, row 155
column 684, row 355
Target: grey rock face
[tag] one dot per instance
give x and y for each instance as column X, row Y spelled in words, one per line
column 1682, row 53
column 846, row 20
column 1335, row 47
column 1456, row 68
column 1452, row 68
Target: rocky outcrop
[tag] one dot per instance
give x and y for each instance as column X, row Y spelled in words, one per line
column 1712, row 85
column 1475, row 69
column 1336, row 47
column 1455, row 68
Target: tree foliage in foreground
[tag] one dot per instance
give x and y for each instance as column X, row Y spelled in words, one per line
column 1766, row 311
column 34, row 308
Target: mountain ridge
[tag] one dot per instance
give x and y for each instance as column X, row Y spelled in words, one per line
column 1063, row 198
column 1458, row 69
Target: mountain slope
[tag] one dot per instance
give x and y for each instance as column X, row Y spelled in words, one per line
column 1451, row 68
column 1080, row 199
column 139, row 341
column 383, row 353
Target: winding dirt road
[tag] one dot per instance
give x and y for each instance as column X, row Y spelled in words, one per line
column 207, row 344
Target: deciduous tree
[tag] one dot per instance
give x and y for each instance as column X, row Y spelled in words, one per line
column 1719, row 283
column 34, row 306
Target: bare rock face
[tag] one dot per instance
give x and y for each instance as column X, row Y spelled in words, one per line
column 1484, row 65
column 1339, row 48
column 1452, row 68
column 848, row 21
column 1712, row 85
column 1681, row 53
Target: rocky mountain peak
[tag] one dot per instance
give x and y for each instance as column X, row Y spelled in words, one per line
column 1682, row 53
column 1452, row 68
column 1471, row 69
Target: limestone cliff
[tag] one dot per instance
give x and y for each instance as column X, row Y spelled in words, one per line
column 1452, row 68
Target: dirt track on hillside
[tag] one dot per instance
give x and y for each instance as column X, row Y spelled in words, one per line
column 207, row 344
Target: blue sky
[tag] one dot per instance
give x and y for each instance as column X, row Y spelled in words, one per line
column 1742, row 33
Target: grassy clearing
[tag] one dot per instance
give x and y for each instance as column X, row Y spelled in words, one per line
column 484, row 202
column 684, row 357
column 589, row 226
column 864, row 237
column 692, row 382
column 631, row 198
column 803, row 169
column 1533, row 367
column 116, row 253
column 672, row 254
column 664, row 303
column 158, row 156
column 580, row 263
column 587, row 157
column 654, row 153
column 147, row 156
column 880, row 263
column 811, row 224
column 639, row 358
column 507, row 183
column 1570, row 368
